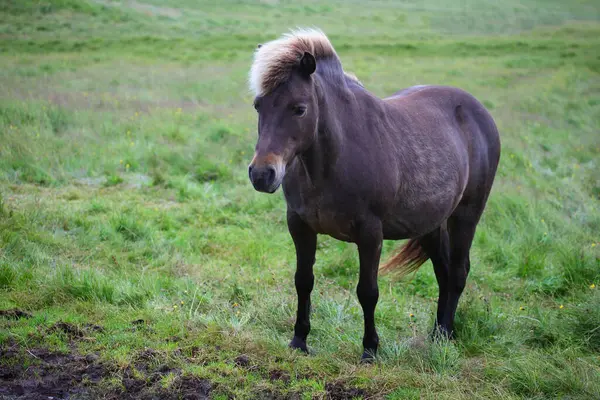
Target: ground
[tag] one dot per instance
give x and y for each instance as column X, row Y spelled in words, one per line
column 136, row 260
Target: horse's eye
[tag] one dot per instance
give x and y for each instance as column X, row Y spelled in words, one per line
column 255, row 105
column 299, row 111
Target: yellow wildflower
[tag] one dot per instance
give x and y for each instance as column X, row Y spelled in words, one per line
column 561, row 307
column 522, row 308
column 592, row 286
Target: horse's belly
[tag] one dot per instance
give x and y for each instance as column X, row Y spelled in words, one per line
column 327, row 222
column 416, row 218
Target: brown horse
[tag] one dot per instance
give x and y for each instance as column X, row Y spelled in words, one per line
column 417, row 165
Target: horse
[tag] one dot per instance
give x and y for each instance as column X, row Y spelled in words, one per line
column 418, row 165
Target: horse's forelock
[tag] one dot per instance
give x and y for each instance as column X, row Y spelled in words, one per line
column 273, row 61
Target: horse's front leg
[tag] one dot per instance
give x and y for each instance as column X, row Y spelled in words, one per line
column 305, row 241
column 369, row 240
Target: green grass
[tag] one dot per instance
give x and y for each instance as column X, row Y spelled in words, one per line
column 126, row 129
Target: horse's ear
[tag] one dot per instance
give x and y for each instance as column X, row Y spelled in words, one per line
column 308, row 64
column 259, row 46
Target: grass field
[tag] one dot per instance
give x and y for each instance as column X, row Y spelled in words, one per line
column 136, row 260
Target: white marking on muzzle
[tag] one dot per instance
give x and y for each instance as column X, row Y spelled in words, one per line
column 279, row 174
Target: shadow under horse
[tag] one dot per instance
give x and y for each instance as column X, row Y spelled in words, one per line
column 418, row 165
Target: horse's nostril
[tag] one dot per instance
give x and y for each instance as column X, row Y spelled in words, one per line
column 262, row 177
column 271, row 175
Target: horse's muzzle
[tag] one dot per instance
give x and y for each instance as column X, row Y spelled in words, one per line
column 264, row 178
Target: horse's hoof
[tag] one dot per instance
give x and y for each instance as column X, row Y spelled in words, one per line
column 368, row 357
column 299, row 344
column 442, row 333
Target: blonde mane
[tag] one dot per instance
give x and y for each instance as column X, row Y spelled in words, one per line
column 274, row 61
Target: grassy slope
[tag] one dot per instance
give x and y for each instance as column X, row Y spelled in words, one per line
column 126, row 128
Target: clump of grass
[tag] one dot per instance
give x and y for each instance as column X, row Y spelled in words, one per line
column 7, row 275
column 478, row 324
column 584, row 321
column 130, row 227
column 545, row 375
column 443, row 357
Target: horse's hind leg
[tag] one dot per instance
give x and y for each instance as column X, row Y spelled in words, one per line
column 436, row 245
column 461, row 228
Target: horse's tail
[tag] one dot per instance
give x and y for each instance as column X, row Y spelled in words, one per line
column 410, row 257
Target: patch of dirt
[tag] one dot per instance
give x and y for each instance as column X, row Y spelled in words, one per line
column 137, row 181
column 46, row 374
column 141, row 325
column 75, row 331
column 339, row 391
column 242, row 361
column 184, row 387
column 87, row 181
column 279, row 375
column 29, row 374
column 15, row 313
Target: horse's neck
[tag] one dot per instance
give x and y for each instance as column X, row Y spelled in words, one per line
column 319, row 160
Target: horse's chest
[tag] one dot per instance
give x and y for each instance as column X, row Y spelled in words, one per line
column 323, row 213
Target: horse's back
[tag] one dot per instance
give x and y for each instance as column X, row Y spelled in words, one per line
column 453, row 107
column 459, row 105
column 454, row 144
column 409, row 90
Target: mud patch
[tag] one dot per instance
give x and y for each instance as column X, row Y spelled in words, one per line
column 242, row 361
column 14, row 314
column 75, row 331
column 27, row 374
column 279, row 375
column 339, row 391
column 40, row 372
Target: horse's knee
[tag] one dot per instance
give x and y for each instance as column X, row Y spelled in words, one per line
column 304, row 281
column 367, row 294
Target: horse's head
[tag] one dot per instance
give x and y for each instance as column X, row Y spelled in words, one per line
column 287, row 124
